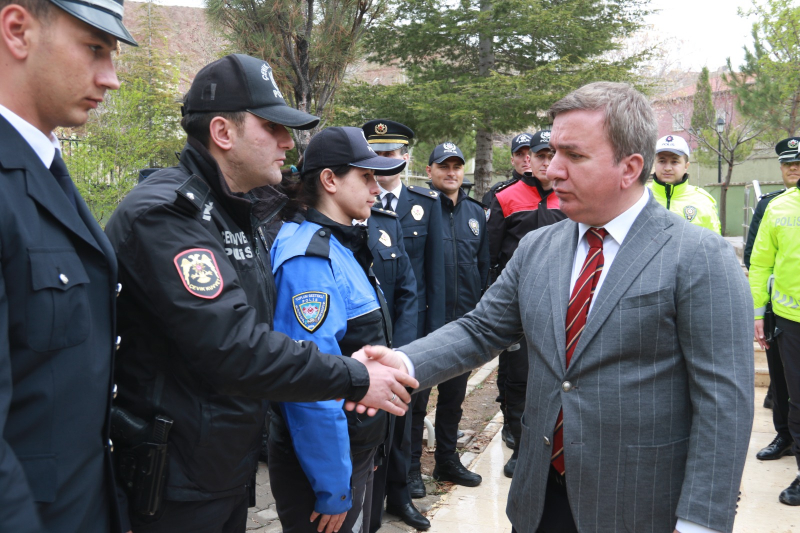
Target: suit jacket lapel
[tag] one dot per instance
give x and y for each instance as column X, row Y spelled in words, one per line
column 562, row 247
column 645, row 238
column 404, row 203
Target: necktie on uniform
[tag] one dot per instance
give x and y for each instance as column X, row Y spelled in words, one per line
column 59, row 171
column 387, row 201
column 577, row 312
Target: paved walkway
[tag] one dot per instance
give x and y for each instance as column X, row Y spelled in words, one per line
column 482, row 509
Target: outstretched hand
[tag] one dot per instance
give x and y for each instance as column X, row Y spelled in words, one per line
column 388, row 379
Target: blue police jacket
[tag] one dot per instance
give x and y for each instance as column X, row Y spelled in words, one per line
column 325, row 296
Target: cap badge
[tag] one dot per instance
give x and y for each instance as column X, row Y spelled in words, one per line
column 199, row 272
column 524, row 138
column 449, row 147
column 546, row 136
column 689, row 212
column 311, row 309
column 266, row 73
column 385, row 239
column 417, row 212
column 381, row 129
column 669, row 138
column 473, row 225
column 793, row 143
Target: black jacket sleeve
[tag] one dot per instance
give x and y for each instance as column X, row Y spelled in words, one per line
column 761, row 207
column 221, row 339
column 483, row 256
column 434, row 270
column 496, row 228
column 405, row 295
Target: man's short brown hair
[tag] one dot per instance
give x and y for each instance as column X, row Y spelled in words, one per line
column 197, row 124
column 41, row 9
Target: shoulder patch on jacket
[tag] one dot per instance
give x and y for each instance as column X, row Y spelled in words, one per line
column 378, row 209
column 196, row 190
column 311, row 309
column 772, row 194
column 199, row 272
column 504, row 185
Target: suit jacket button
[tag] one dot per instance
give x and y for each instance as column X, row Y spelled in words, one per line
column 566, row 386
column 394, row 255
column 64, row 279
column 546, row 441
column 415, row 233
column 119, row 288
column 110, row 445
column 118, row 342
column 114, row 391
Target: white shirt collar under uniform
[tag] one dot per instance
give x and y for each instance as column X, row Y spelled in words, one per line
column 44, row 146
column 617, row 229
column 396, row 192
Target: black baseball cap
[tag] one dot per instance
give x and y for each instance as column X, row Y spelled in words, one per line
column 445, row 151
column 336, row 147
column 787, row 150
column 523, row 139
column 540, row 141
column 238, row 82
column 105, row 15
column 387, row 135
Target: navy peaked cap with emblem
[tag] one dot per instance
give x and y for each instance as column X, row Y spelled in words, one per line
column 105, row 15
column 521, row 140
column 787, row 150
column 445, row 151
column 239, row 82
column 337, row 147
column 540, row 141
column 387, row 135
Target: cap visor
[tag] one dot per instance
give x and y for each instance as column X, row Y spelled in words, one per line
column 96, row 17
column 789, row 158
column 286, row 116
column 386, row 147
column 383, row 166
column 540, row 147
column 672, row 151
column 446, row 157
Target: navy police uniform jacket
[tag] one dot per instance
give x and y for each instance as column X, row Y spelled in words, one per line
column 466, row 254
column 196, row 324
column 58, row 279
column 421, row 219
column 325, row 295
column 392, row 267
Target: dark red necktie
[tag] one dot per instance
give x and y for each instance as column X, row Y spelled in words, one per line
column 577, row 311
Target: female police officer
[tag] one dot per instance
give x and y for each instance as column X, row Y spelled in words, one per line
column 321, row 458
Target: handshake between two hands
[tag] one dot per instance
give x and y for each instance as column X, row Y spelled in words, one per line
column 388, row 379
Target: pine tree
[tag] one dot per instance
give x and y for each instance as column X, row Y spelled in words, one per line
column 703, row 113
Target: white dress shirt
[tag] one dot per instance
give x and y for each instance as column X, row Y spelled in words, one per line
column 396, row 192
column 44, row 146
column 617, row 230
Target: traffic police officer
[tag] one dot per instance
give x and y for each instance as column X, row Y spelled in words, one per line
column 671, row 187
column 420, row 218
column 58, row 274
column 775, row 256
column 782, row 443
column 197, row 313
column 518, row 208
column 466, row 252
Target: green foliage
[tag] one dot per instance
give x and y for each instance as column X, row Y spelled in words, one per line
column 768, row 86
column 501, row 161
column 136, row 127
column 703, row 113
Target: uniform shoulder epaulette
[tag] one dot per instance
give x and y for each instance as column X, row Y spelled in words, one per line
column 484, row 207
column 422, row 191
column 195, row 190
column 382, row 211
column 505, row 185
column 320, row 243
column 772, row 194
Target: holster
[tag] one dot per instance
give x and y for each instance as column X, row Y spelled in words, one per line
column 141, row 458
column 769, row 314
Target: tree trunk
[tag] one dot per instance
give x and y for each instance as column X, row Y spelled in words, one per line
column 483, row 136
column 723, row 200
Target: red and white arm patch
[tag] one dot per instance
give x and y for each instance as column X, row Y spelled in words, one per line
column 199, row 272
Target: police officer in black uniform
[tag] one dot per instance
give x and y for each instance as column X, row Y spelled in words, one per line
column 466, row 251
column 781, row 445
column 197, row 313
column 58, row 274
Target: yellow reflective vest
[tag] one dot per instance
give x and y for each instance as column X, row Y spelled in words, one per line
column 777, row 251
column 692, row 203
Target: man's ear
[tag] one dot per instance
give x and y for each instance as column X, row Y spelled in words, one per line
column 407, row 156
column 327, row 181
column 16, row 25
column 428, row 170
column 631, row 170
column 222, row 133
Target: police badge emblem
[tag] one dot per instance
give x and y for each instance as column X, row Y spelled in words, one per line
column 417, row 212
column 449, row 147
column 381, row 129
column 199, row 272
column 473, row 225
column 266, row 74
column 669, row 138
column 689, row 212
column 311, row 309
column 793, row 143
column 546, row 136
column 385, row 239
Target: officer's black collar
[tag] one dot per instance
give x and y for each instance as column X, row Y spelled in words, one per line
column 199, row 161
column 683, row 180
column 354, row 238
column 532, row 181
column 446, row 199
